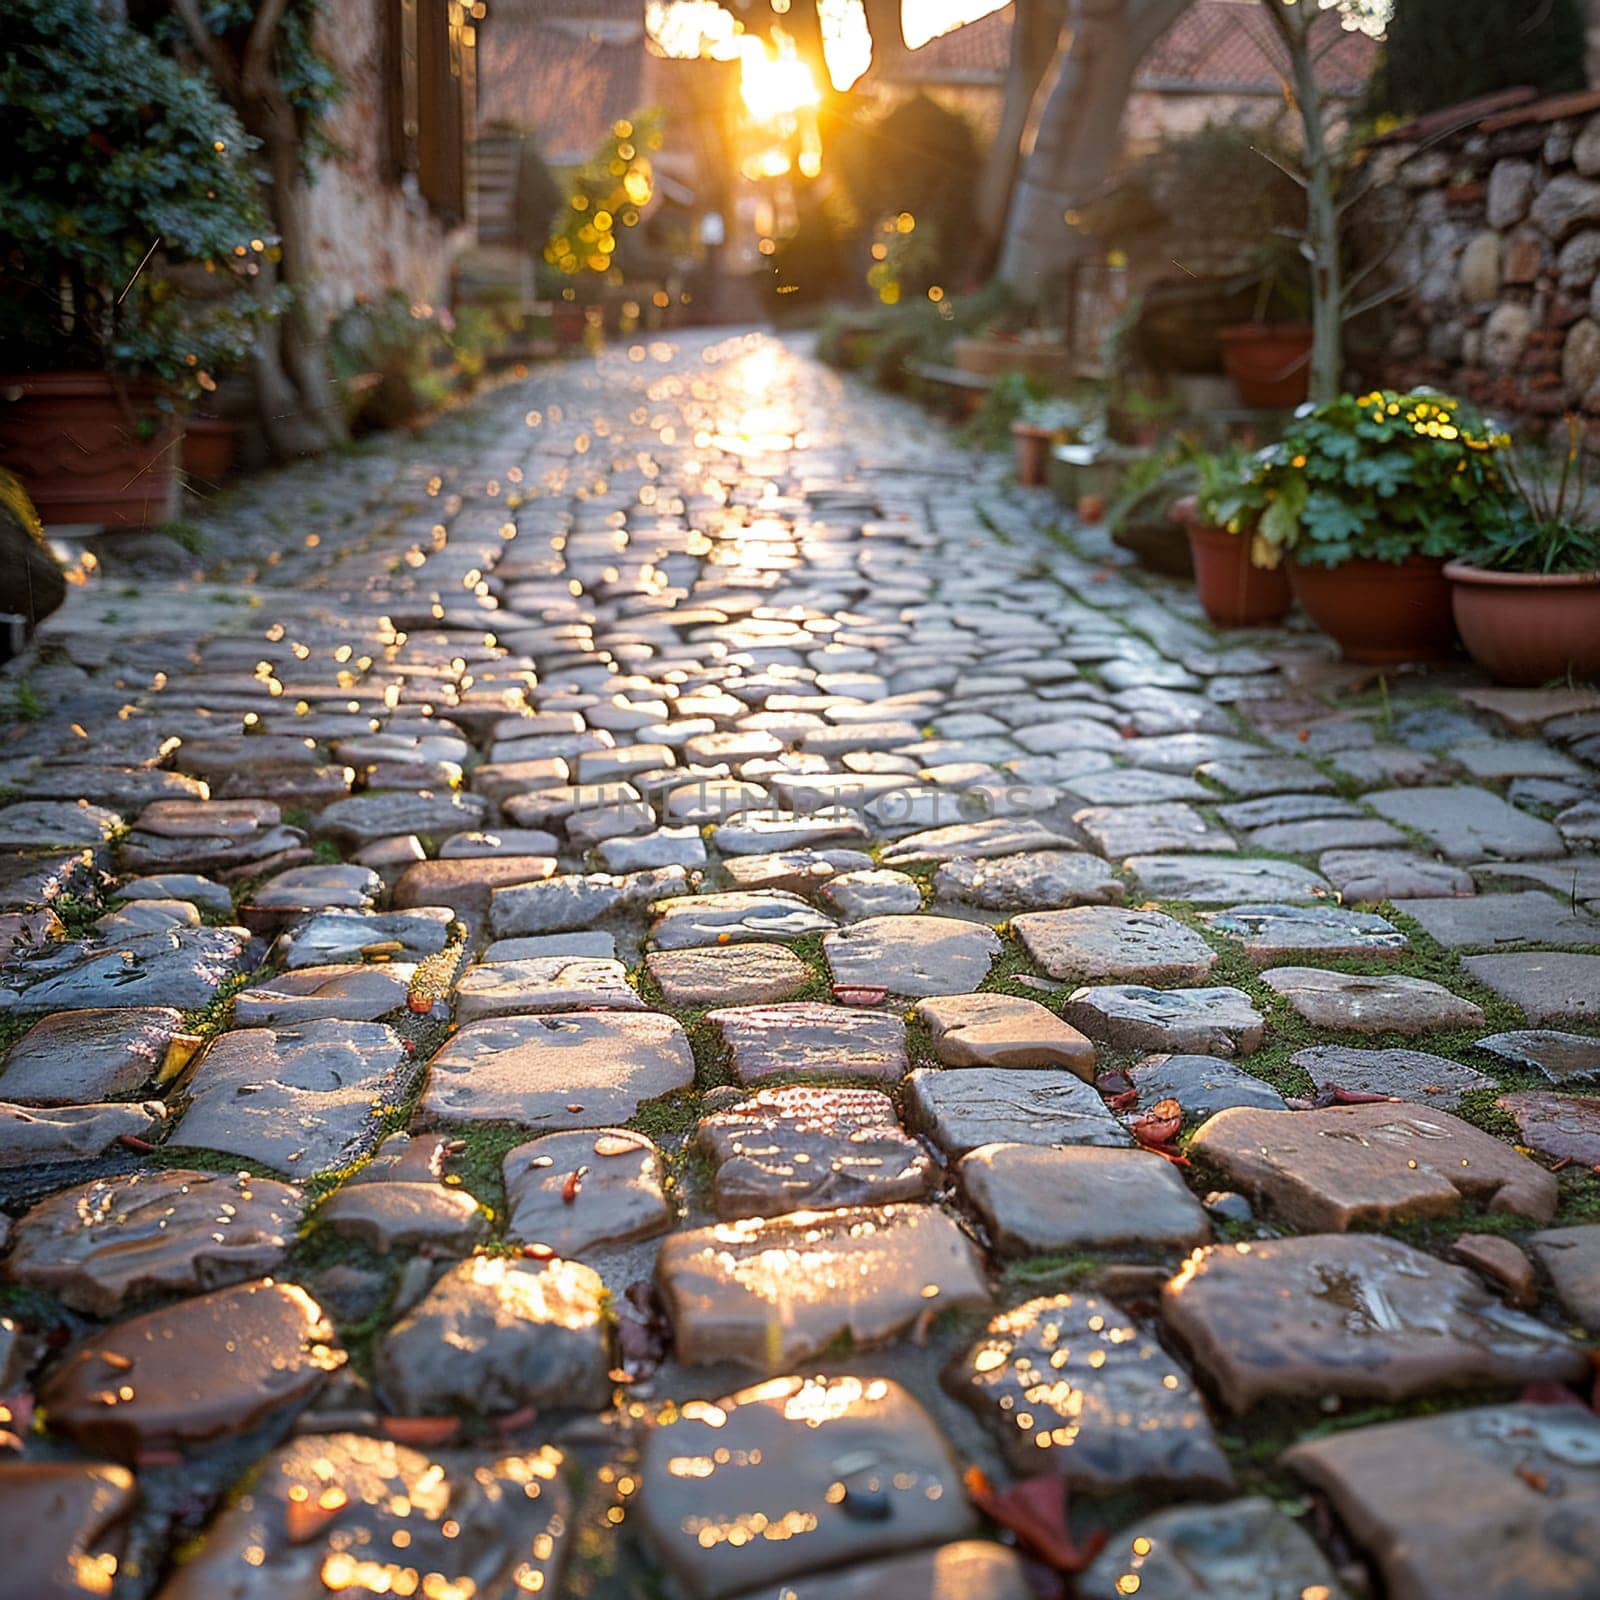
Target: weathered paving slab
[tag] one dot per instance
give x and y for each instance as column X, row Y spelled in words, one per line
column 397, row 1202
column 203, row 1369
column 584, row 1069
column 803, row 1148
column 966, row 1567
column 1225, row 880
column 1463, row 1503
column 1242, row 1550
column 1268, row 933
column 340, row 938
column 1564, row 1127
column 345, row 1512
column 1202, row 1085
column 1112, row 945
column 740, row 974
column 35, row 1135
column 75, row 1057
column 1363, row 1165
column 113, row 1240
column 911, row 955
column 1218, row 1021
column 1487, row 920
column 347, row 992
column 543, row 983
column 1037, row 1200
column 1354, row 1003
column 1354, row 1315
column 65, row 1525
column 807, row 1039
column 1031, row 881
column 1373, row 875
column 714, row 919
column 959, row 1111
column 179, row 967
column 1549, row 986
column 1405, row 1074
column 844, row 1468
column 1572, row 1258
column 304, row 1100
column 1056, row 1380
column 493, row 1335
column 1561, row 1057
column 998, row 1030
column 577, row 1192
column 1467, row 824
column 768, row 1292
column 977, row 841
column 1141, row 830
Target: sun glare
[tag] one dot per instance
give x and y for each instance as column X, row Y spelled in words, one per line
column 777, row 83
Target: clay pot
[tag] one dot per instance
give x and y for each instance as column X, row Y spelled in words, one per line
column 1030, row 452
column 209, row 447
column 1528, row 627
column 1380, row 611
column 1269, row 362
column 1234, row 591
column 89, row 448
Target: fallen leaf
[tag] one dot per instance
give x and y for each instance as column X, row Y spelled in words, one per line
column 1035, row 1510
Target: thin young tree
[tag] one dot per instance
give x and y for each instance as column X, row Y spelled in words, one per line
column 1307, row 30
column 244, row 49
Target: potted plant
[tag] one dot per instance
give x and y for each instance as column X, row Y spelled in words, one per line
column 1527, row 596
column 1368, row 496
column 124, row 174
column 1040, row 424
column 1239, row 576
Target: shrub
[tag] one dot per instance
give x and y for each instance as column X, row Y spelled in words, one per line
column 1436, row 56
column 1383, row 475
column 111, row 149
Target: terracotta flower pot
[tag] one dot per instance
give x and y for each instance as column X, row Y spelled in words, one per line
column 1030, row 451
column 209, row 447
column 1234, row 591
column 88, row 448
column 1269, row 362
column 1528, row 627
column 1380, row 611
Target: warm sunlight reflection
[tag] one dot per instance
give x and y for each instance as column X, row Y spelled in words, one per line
column 774, row 83
column 922, row 20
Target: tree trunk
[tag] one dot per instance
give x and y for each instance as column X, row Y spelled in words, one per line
column 302, row 339
column 1295, row 26
column 1035, row 38
column 1078, row 134
column 290, row 430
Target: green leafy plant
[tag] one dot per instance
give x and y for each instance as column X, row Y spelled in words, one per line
column 1383, row 475
column 1218, row 476
column 129, row 213
column 1545, row 524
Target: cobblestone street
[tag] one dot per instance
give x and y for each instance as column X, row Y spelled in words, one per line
column 670, row 987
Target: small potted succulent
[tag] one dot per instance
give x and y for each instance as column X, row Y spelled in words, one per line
column 130, row 231
column 1527, row 596
column 1239, row 576
column 1040, row 424
column 1368, row 496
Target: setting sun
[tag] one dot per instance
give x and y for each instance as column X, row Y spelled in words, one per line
column 774, row 85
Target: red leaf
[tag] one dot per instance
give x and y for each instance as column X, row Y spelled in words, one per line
column 569, row 1190
column 1035, row 1510
column 1161, row 1126
column 423, row 1431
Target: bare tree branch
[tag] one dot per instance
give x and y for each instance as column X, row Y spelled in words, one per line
column 209, row 48
column 263, row 41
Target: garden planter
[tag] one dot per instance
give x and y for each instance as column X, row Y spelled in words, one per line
column 571, row 322
column 1269, row 362
column 1380, row 611
column 1049, row 362
column 1234, row 591
column 1528, row 627
column 210, row 446
column 1030, row 451
column 89, row 448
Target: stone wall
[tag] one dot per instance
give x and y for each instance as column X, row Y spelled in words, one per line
column 373, row 231
column 1499, row 256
